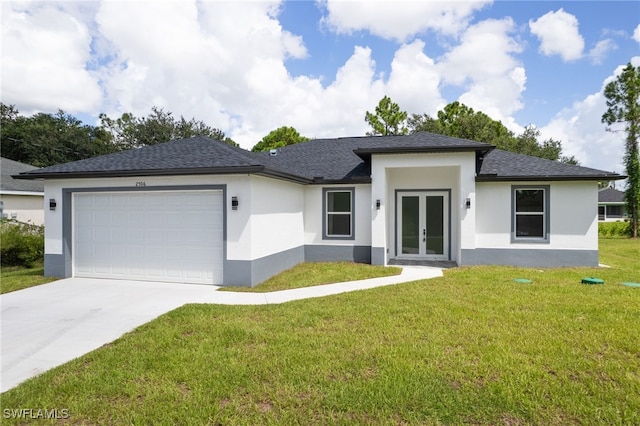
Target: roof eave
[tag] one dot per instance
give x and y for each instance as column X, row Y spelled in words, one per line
column 21, row 192
column 140, row 173
column 505, row 178
column 276, row 174
column 352, row 181
column 365, row 153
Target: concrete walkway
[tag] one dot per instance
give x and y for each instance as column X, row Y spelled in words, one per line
column 51, row 324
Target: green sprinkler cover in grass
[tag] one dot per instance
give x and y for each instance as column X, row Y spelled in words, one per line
column 523, row 280
column 592, row 280
column 631, row 284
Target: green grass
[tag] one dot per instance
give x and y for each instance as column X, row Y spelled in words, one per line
column 316, row 273
column 472, row 347
column 14, row 278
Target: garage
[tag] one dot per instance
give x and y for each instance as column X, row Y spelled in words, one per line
column 173, row 236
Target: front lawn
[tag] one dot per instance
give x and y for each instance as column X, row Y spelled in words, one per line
column 471, row 347
column 308, row 274
column 14, row 278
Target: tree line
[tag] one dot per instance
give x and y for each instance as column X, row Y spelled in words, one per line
column 460, row 121
column 47, row 139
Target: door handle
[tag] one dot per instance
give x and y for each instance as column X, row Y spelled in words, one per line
column 424, row 235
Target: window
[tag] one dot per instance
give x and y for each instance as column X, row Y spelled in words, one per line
column 615, row 211
column 530, row 214
column 338, row 213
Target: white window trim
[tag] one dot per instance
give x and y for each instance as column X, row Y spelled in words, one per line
column 326, row 213
column 545, row 239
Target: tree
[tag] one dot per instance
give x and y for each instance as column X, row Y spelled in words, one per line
column 460, row 121
column 278, row 138
column 47, row 139
column 159, row 126
column 388, row 119
column 623, row 106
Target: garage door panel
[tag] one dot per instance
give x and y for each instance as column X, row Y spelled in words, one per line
column 160, row 236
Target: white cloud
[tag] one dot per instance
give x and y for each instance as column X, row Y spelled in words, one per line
column 601, row 49
column 636, row 34
column 44, row 57
column 399, row 21
column 559, row 35
column 225, row 63
column 484, row 62
column 414, row 81
column 583, row 135
column 302, row 102
column 214, row 61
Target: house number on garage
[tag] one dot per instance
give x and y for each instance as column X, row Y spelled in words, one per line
column 141, row 184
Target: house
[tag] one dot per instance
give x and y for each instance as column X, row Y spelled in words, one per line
column 20, row 200
column 200, row 211
column 611, row 205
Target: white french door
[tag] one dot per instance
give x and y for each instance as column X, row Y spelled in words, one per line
column 423, row 225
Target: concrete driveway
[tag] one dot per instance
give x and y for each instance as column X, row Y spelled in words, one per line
column 50, row 324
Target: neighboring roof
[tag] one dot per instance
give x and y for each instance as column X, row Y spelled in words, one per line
column 501, row 165
column 610, row 195
column 340, row 160
column 10, row 185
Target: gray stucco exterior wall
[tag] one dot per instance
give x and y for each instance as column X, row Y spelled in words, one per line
column 530, row 258
column 326, row 253
column 377, row 255
column 54, row 266
column 249, row 273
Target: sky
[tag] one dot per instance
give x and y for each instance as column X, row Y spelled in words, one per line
column 249, row 67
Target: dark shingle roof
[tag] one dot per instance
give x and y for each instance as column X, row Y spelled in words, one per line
column 8, row 183
column 504, row 165
column 346, row 159
column 318, row 160
column 182, row 154
column 610, row 195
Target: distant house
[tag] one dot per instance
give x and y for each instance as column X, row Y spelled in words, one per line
column 21, row 200
column 611, row 205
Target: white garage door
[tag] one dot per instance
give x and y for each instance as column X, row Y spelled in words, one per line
column 152, row 236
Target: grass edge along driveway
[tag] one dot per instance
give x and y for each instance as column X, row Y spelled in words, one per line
column 471, row 347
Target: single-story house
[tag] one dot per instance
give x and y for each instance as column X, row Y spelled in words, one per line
column 198, row 210
column 611, row 205
column 20, row 200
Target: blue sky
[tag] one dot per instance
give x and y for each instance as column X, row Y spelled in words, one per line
column 249, row 67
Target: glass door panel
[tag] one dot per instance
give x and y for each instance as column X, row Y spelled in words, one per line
column 410, row 225
column 434, row 221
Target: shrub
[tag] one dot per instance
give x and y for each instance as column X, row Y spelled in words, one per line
column 21, row 244
column 614, row 229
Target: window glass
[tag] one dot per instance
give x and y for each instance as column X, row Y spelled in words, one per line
column 614, row 211
column 530, row 226
column 530, row 213
column 339, row 201
column 339, row 224
column 529, row 200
